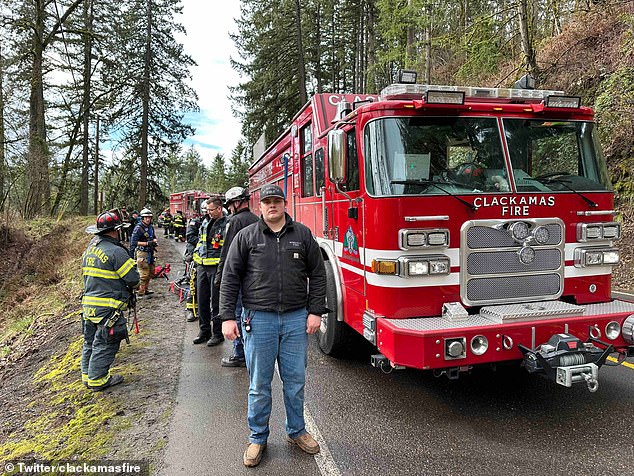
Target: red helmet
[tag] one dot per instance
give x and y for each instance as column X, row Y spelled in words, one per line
column 107, row 221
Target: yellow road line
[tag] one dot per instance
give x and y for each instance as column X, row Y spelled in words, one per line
column 626, row 364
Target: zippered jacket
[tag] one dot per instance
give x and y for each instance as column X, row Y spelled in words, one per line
column 236, row 222
column 109, row 274
column 278, row 272
column 211, row 237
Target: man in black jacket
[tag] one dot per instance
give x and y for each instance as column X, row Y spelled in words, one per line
column 237, row 202
column 278, row 265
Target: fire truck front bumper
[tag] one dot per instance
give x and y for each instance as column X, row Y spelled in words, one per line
column 506, row 333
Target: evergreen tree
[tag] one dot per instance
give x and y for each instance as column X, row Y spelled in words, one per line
column 150, row 76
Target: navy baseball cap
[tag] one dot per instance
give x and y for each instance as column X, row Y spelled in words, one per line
column 271, row 191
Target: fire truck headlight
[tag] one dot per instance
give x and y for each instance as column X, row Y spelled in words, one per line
column 417, row 268
column 612, row 330
column 596, row 257
column 541, row 235
column 384, row 266
column 611, row 257
column 519, row 231
column 598, row 231
column 416, row 239
column 526, row 255
column 611, row 231
column 439, row 266
column 593, row 257
column 438, row 238
column 479, row 345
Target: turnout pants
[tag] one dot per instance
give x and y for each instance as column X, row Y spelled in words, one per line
column 97, row 354
column 208, row 301
column 145, row 270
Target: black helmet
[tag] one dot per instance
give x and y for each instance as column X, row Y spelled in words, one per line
column 106, row 221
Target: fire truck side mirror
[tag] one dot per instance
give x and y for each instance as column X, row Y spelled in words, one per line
column 336, row 156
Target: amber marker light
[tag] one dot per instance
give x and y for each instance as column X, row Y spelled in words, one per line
column 382, row 266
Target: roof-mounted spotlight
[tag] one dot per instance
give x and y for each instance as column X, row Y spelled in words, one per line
column 525, row 82
column 407, row 76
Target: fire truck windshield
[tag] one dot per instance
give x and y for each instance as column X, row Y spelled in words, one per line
column 555, row 156
column 463, row 155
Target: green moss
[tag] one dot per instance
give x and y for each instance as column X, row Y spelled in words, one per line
column 71, row 421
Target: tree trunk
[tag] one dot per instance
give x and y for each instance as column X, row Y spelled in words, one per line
column 410, row 48
column 83, row 194
column 525, row 38
column 146, row 110
column 301, row 66
column 3, row 139
column 38, row 200
column 96, row 178
column 318, row 72
column 428, row 27
column 371, row 49
column 39, row 193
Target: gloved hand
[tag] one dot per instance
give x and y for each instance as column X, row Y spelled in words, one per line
column 217, row 280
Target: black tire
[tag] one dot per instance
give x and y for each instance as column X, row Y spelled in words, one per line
column 334, row 336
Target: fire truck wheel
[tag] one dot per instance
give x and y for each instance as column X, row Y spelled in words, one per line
column 334, row 335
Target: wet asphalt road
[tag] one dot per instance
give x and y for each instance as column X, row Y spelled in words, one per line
column 406, row 422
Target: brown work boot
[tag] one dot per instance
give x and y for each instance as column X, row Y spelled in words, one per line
column 253, row 454
column 306, row 443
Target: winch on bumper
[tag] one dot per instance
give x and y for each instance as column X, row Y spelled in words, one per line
column 567, row 360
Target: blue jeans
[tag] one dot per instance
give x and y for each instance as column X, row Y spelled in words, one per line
column 282, row 338
column 238, row 344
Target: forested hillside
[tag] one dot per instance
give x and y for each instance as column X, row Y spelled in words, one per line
column 77, row 72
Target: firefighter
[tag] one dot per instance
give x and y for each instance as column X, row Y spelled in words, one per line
column 109, row 277
column 132, row 223
column 143, row 245
column 237, row 202
column 206, row 257
column 179, row 226
column 191, row 236
column 167, row 223
column 278, row 265
column 125, row 219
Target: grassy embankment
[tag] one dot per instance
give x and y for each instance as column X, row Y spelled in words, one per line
column 39, row 305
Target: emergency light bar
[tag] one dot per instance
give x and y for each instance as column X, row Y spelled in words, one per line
column 444, row 97
column 563, row 101
column 419, row 91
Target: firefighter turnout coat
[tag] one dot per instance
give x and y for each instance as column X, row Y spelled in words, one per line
column 211, row 237
column 109, row 274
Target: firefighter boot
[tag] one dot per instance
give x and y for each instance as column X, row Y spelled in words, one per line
column 112, row 381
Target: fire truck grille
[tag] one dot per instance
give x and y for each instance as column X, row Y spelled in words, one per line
column 488, row 237
column 491, row 271
column 505, row 289
column 504, row 262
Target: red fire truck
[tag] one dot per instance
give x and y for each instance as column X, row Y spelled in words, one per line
column 188, row 202
column 460, row 226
